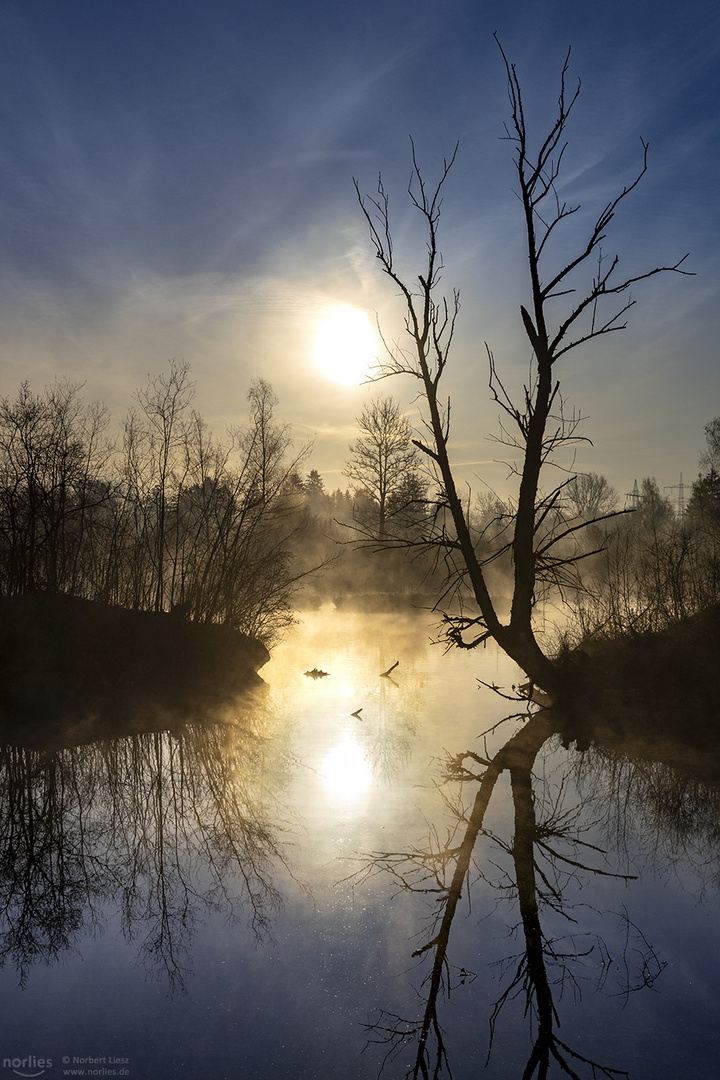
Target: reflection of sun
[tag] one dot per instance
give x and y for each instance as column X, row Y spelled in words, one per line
column 345, row 346
column 345, row 770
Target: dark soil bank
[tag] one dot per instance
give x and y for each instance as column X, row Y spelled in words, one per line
column 653, row 688
column 70, row 662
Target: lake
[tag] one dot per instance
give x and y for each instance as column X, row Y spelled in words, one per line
column 271, row 894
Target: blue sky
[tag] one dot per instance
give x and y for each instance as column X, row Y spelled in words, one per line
column 176, row 180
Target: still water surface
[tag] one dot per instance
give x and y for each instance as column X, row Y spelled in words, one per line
column 244, row 899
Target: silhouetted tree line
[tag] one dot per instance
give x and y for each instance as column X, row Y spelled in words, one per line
column 169, row 518
column 630, row 569
column 165, row 518
column 653, row 567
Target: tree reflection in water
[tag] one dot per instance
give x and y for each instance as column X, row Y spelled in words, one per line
column 668, row 812
column 159, row 827
column 546, row 854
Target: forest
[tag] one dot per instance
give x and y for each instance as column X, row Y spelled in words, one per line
column 163, row 518
column 168, row 517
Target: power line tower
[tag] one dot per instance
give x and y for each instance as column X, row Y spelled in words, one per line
column 634, row 496
column 680, row 488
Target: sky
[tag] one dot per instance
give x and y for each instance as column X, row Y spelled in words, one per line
column 177, row 181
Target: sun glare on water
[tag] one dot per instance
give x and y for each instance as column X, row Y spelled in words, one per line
column 345, row 771
column 346, row 346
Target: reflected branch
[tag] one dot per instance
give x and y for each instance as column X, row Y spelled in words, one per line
column 532, row 976
column 155, row 827
column 545, row 857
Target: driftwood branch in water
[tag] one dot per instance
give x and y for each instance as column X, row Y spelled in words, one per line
column 316, row 673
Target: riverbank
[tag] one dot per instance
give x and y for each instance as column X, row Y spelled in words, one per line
column 649, row 686
column 68, row 664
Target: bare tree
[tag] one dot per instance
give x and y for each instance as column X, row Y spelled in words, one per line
column 52, row 452
column 590, row 496
column 384, row 465
column 163, row 402
column 563, row 312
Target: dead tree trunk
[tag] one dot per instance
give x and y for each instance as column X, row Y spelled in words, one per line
column 538, row 425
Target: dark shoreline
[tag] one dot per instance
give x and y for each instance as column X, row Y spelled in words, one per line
column 654, row 688
column 68, row 664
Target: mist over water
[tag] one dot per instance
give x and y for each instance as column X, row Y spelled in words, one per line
column 244, row 898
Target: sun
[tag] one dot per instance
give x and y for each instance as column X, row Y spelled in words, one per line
column 345, row 346
column 346, row 771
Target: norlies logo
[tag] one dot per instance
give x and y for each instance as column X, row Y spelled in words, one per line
column 27, row 1066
